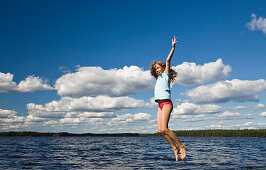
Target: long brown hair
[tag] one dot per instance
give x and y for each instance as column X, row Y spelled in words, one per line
column 173, row 73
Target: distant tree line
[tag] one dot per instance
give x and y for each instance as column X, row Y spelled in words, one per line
column 260, row 133
column 61, row 134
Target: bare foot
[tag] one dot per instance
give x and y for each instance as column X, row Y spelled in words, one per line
column 176, row 151
column 183, row 152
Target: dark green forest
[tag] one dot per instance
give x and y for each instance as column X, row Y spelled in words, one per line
column 260, row 133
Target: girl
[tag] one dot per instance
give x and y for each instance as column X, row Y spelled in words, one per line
column 162, row 94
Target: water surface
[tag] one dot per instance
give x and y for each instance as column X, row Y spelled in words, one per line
column 130, row 153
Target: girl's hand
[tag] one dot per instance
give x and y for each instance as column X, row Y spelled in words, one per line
column 174, row 41
column 168, row 60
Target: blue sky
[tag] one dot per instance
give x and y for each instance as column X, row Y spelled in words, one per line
column 84, row 66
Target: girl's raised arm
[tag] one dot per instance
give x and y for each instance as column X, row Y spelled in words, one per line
column 168, row 60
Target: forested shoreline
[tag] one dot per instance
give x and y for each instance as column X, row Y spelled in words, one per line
column 260, row 133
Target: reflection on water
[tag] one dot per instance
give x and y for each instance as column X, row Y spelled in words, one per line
column 130, row 153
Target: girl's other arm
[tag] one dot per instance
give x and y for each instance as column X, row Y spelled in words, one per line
column 168, row 60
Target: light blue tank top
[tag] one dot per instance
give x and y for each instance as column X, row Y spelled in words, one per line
column 162, row 87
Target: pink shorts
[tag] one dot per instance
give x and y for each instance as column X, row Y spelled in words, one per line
column 161, row 104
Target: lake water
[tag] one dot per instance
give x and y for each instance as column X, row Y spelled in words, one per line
column 130, row 153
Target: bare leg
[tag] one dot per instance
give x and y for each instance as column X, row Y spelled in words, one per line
column 166, row 112
column 172, row 144
column 166, row 137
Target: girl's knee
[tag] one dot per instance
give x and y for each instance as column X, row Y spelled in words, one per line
column 166, row 130
column 163, row 131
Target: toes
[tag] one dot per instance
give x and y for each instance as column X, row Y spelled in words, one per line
column 176, row 151
column 183, row 152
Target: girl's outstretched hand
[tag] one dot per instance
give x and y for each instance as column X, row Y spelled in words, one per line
column 174, row 41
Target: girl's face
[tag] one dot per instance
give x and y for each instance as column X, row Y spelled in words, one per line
column 159, row 69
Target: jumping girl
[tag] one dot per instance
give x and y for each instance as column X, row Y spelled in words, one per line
column 162, row 95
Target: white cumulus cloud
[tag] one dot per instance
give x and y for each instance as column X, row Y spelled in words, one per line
column 228, row 114
column 232, row 115
column 97, row 114
column 257, row 24
column 30, row 84
column 263, row 114
column 259, row 106
column 247, row 125
column 151, row 103
column 84, row 104
column 191, row 108
column 31, row 118
column 190, row 74
column 14, row 119
column 10, row 120
column 223, row 91
column 7, row 113
column 70, row 120
column 89, row 81
column 239, row 107
column 129, row 118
